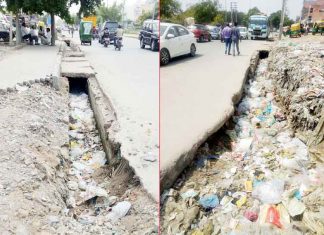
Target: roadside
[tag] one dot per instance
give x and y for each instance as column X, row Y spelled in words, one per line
column 29, row 63
column 197, row 97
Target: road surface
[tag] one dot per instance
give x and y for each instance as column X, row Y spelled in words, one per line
column 130, row 78
column 28, row 63
column 196, row 99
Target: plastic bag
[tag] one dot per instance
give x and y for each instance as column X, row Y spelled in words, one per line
column 209, row 201
column 269, row 192
column 273, row 217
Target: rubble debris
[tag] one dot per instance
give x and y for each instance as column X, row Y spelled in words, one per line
column 55, row 178
column 264, row 174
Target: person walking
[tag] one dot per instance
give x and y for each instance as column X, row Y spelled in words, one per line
column 227, row 34
column 236, row 36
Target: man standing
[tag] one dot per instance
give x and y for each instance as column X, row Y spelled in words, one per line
column 227, row 34
column 235, row 38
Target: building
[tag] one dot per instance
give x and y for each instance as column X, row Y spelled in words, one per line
column 146, row 6
column 313, row 10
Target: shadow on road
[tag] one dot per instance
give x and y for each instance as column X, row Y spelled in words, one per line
column 182, row 59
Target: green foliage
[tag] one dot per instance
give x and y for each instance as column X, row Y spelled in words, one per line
column 87, row 7
column 253, row 11
column 144, row 16
column 113, row 13
column 276, row 17
column 169, row 9
column 205, row 11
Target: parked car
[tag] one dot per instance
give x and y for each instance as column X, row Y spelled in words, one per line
column 215, row 33
column 176, row 40
column 5, row 32
column 149, row 35
column 111, row 26
column 201, row 32
column 244, row 32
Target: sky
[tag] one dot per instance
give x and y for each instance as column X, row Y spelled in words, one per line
column 129, row 6
column 294, row 7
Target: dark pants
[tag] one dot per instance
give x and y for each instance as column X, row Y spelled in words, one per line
column 228, row 43
column 26, row 37
column 115, row 39
column 33, row 38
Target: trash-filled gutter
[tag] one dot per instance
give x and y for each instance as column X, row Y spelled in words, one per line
column 253, row 176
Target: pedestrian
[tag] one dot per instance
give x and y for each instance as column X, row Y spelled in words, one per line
column 33, row 36
column 72, row 31
column 46, row 39
column 236, row 36
column 25, row 32
column 227, row 34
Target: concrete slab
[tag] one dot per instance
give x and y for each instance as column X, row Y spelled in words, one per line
column 74, row 54
column 74, row 59
column 76, row 69
column 197, row 96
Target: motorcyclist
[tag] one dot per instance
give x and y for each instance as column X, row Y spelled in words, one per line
column 105, row 34
column 119, row 34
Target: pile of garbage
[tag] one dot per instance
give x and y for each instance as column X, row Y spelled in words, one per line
column 252, row 177
column 297, row 71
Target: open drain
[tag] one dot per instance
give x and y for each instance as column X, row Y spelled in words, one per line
column 251, row 176
column 87, row 154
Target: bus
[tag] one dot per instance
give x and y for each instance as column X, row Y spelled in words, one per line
column 259, row 27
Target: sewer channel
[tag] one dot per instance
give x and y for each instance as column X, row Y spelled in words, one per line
column 86, row 152
column 251, row 177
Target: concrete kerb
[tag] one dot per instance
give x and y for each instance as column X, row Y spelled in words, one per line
column 168, row 176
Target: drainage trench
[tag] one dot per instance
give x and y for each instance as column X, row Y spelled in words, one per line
column 252, row 170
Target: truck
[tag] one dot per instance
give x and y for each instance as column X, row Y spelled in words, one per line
column 259, row 27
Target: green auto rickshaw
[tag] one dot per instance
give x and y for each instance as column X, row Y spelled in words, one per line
column 85, row 32
column 318, row 27
column 295, row 30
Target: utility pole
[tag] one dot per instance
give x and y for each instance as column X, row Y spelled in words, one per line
column 233, row 11
column 225, row 11
column 154, row 5
column 282, row 18
column 10, row 32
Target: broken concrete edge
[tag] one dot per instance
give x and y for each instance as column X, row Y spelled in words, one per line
column 108, row 126
column 169, row 175
column 46, row 81
column 106, row 119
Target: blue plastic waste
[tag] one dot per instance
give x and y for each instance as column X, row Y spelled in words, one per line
column 209, row 201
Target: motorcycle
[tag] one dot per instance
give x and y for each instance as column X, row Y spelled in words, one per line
column 106, row 41
column 118, row 43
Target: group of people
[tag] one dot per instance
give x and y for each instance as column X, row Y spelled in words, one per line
column 231, row 35
column 33, row 35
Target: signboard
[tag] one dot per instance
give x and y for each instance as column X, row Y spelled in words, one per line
column 93, row 19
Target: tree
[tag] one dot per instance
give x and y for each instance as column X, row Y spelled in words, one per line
column 253, row 11
column 205, row 11
column 276, row 17
column 87, row 7
column 169, row 9
column 144, row 16
column 113, row 13
column 219, row 19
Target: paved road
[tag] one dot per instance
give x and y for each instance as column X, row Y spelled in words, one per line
column 196, row 98
column 28, row 63
column 130, row 78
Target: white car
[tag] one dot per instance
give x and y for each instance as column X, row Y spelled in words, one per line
column 243, row 32
column 176, row 40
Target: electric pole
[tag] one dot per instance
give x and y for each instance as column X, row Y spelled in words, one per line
column 10, row 32
column 154, row 5
column 282, row 18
